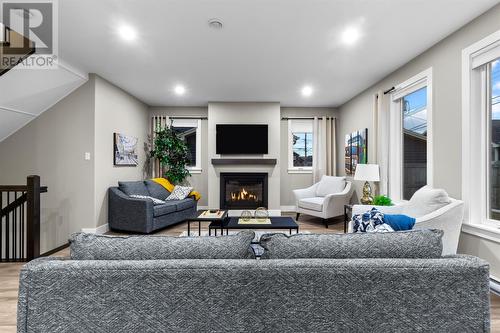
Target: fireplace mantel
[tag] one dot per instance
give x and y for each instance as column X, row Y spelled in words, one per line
column 244, row 161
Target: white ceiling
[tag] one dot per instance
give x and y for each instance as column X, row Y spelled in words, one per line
column 267, row 50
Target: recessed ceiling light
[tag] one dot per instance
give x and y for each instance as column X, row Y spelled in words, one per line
column 307, row 91
column 215, row 23
column 350, row 35
column 180, row 89
column 127, row 33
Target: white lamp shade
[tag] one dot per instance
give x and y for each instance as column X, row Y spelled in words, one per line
column 367, row 172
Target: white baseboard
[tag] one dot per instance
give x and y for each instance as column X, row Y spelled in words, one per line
column 202, row 208
column 288, row 209
column 99, row 230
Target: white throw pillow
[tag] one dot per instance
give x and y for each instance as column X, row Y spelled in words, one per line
column 426, row 200
column 179, row 193
column 330, row 185
column 155, row 201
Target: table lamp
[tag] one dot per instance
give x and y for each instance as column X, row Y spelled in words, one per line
column 367, row 173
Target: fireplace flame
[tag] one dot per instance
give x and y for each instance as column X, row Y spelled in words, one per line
column 243, row 194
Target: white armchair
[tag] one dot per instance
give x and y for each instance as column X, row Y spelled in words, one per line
column 325, row 199
column 448, row 217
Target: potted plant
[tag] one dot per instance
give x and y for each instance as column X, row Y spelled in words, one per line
column 382, row 200
column 172, row 153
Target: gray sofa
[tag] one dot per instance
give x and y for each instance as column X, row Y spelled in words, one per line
column 442, row 294
column 141, row 215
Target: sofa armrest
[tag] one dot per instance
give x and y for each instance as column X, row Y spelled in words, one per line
column 130, row 214
column 308, row 192
column 334, row 203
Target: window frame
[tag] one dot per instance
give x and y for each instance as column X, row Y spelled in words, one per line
column 291, row 167
column 192, row 122
column 421, row 80
column 476, row 130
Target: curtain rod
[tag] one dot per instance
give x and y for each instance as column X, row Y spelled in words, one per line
column 389, row 90
column 186, row 117
column 304, row 118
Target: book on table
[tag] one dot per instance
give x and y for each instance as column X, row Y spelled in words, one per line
column 212, row 214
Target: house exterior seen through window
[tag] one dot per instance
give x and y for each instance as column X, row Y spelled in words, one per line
column 493, row 97
column 302, row 149
column 414, row 109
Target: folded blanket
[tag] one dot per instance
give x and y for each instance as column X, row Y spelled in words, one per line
column 170, row 187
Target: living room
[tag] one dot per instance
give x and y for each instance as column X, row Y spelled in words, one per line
column 289, row 117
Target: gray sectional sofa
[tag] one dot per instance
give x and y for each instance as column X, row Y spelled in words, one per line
column 141, row 215
column 98, row 290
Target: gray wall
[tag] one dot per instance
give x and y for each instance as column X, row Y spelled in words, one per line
column 53, row 146
column 445, row 59
column 292, row 181
column 198, row 180
column 116, row 111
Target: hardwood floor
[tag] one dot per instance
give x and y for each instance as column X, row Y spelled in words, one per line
column 9, row 273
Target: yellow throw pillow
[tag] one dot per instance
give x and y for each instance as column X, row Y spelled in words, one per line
column 170, row 187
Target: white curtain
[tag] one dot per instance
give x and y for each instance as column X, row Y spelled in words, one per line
column 324, row 148
column 381, row 135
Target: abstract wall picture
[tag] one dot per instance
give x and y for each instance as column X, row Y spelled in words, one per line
column 356, row 150
column 125, row 150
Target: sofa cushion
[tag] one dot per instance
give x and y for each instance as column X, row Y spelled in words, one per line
column 166, row 208
column 156, row 190
column 330, row 185
column 312, row 203
column 85, row 246
column 404, row 244
column 426, row 200
column 137, row 187
column 184, row 204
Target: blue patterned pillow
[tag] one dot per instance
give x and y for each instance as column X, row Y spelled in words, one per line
column 371, row 221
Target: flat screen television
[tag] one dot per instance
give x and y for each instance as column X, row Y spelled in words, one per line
column 241, row 139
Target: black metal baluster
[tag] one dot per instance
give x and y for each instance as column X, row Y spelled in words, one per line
column 1, row 227
column 14, row 230
column 22, row 229
column 7, row 254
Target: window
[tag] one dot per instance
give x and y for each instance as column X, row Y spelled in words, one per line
column 410, row 151
column 414, row 113
column 481, row 135
column 190, row 130
column 300, row 145
column 493, row 104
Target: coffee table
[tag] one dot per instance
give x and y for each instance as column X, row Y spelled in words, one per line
column 199, row 219
column 277, row 222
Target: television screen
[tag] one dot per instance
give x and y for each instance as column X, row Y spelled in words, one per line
column 241, row 139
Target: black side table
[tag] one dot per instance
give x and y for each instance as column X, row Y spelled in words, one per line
column 347, row 218
column 198, row 218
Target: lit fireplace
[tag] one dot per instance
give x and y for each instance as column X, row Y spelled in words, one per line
column 244, row 195
column 243, row 190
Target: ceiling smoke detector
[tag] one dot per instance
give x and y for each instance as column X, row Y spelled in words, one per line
column 215, row 24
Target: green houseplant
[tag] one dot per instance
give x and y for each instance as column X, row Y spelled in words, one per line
column 172, row 153
column 382, row 200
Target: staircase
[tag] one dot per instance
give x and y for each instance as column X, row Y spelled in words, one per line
column 26, row 93
column 20, row 220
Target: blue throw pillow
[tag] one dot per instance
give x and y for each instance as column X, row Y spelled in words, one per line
column 399, row 222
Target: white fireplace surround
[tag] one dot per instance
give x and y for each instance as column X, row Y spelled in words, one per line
column 245, row 113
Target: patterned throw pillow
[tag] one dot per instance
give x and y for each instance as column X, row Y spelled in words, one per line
column 371, row 221
column 155, row 201
column 179, row 193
